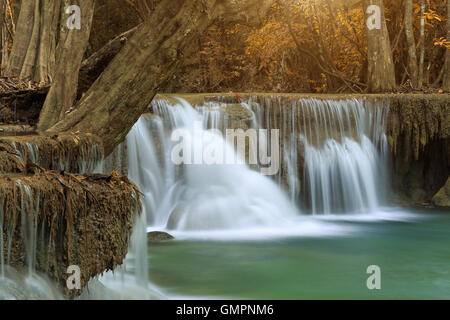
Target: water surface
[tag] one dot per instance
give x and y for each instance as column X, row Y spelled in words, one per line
column 412, row 248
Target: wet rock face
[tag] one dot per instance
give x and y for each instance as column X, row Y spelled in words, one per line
column 75, row 153
column 238, row 116
column 51, row 219
column 50, row 222
column 22, row 107
column 419, row 137
column 442, row 198
column 6, row 115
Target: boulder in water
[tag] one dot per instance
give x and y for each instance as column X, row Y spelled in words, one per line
column 158, row 236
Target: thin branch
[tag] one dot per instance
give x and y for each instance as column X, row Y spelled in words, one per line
column 336, row 74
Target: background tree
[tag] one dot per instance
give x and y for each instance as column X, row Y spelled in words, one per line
column 412, row 53
column 300, row 46
column 381, row 72
column 7, row 29
column 446, row 83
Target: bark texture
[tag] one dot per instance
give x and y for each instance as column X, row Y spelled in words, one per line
column 72, row 47
column 412, row 53
column 446, row 83
column 92, row 67
column 381, row 75
column 6, row 34
column 122, row 93
column 23, row 35
column 33, row 52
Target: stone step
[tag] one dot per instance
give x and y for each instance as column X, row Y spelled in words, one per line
column 74, row 153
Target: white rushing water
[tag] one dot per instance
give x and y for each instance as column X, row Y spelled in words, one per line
column 345, row 148
column 344, row 165
column 344, row 170
column 217, row 198
column 24, row 283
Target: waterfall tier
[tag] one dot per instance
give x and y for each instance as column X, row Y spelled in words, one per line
column 333, row 158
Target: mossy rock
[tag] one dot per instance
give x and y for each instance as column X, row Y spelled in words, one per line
column 238, row 111
column 158, row 237
column 442, row 198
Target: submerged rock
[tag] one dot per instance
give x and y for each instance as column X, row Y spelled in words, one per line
column 442, row 198
column 158, row 236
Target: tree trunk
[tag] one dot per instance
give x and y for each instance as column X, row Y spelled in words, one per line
column 92, row 67
column 33, row 53
column 24, row 30
column 4, row 35
column 123, row 92
column 143, row 8
column 446, row 83
column 412, row 53
column 381, row 73
column 71, row 50
column 422, row 43
column 50, row 20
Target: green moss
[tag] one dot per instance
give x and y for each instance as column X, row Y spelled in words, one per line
column 442, row 197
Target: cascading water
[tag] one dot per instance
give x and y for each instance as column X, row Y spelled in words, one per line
column 345, row 152
column 234, row 201
column 342, row 170
column 198, row 196
column 89, row 161
column 21, row 224
column 21, row 284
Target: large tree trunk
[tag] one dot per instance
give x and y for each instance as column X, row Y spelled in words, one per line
column 5, row 35
column 412, row 53
column 22, row 39
column 123, row 92
column 446, row 83
column 71, row 50
column 33, row 53
column 92, row 67
column 381, row 73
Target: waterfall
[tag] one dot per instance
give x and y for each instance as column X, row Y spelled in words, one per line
column 196, row 196
column 333, row 160
column 29, row 212
column 332, row 156
column 343, row 174
column 90, row 159
column 26, row 283
column 345, row 152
